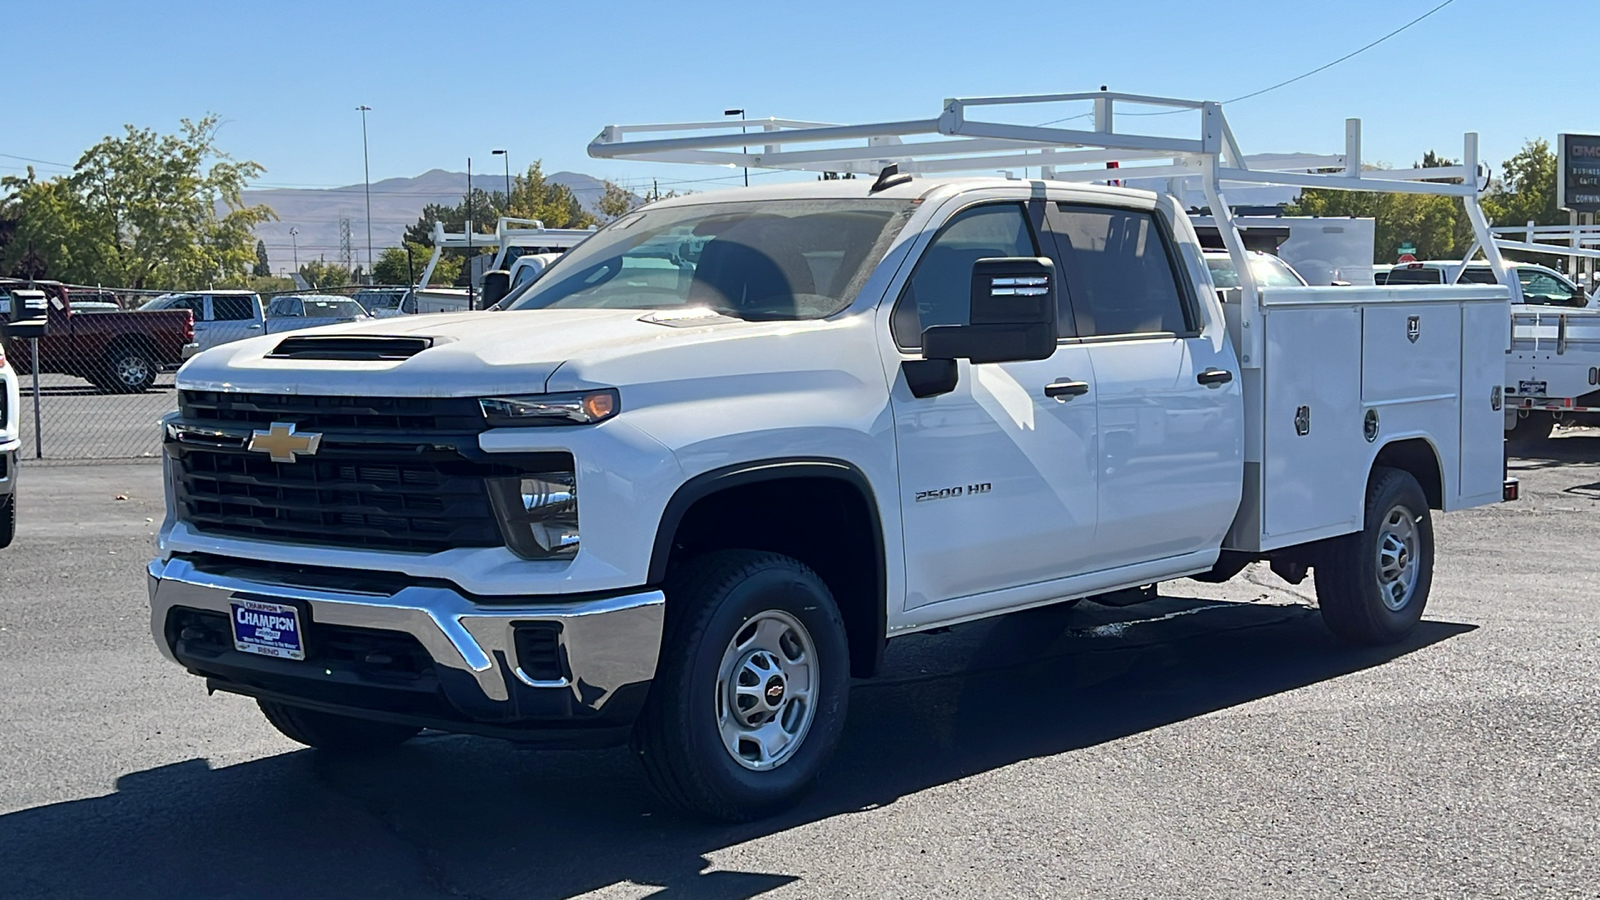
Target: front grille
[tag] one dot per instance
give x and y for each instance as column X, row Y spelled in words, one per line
column 344, row 497
column 389, row 473
column 409, row 415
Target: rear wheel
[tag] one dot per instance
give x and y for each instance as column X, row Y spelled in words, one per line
column 327, row 731
column 1532, row 428
column 126, row 369
column 750, row 695
column 1373, row 585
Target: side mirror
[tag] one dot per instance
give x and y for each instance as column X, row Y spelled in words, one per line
column 1012, row 319
column 496, row 284
column 30, row 315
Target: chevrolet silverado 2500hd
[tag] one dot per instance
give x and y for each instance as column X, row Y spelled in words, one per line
column 683, row 504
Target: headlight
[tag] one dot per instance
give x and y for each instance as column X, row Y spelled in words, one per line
column 538, row 513
column 576, row 408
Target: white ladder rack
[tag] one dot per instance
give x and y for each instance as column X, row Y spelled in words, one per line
column 961, row 138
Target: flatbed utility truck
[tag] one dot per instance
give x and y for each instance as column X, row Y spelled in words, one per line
column 692, row 481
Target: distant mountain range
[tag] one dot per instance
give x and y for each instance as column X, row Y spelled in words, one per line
column 396, row 204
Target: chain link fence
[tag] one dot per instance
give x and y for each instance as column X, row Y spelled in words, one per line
column 108, row 359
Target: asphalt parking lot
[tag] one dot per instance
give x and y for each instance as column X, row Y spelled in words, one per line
column 1215, row 742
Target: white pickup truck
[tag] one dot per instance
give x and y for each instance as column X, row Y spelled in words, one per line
column 223, row 316
column 685, row 505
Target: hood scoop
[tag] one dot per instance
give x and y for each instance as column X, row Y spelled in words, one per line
column 352, row 347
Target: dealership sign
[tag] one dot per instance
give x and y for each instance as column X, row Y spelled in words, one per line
column 1578, row 172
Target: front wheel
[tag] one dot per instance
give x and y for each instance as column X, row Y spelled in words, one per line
column 1373, row 585
column 750, row 697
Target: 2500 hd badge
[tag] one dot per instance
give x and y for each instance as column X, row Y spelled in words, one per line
column 957, row 491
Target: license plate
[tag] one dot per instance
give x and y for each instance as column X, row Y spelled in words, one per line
column 268, row 629
column 1536, row 388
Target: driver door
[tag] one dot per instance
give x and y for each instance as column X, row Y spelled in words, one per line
column 997, row 480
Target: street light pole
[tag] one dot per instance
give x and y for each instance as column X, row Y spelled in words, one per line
column 471, row 299
column 294, row 239
column 508, row 174
column 740, row 114
column 366, row 174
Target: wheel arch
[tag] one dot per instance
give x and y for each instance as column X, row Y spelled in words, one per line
column 732, row 507
column 1420, row 458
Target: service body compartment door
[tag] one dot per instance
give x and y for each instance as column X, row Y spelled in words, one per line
column 1410, row 352
column 1313, row 477
column 1485, row 333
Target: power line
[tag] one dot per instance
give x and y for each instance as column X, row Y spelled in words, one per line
column 1341, row 59
column 1303, row 75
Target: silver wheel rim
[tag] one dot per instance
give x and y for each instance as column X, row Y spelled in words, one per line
column 132, row 370
column 1398, row 550
column 766, row 688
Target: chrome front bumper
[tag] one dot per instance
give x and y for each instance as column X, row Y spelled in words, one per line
column 605, row 645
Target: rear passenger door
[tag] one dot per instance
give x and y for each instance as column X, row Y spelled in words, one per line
column 233, row 317
column 1169, row 408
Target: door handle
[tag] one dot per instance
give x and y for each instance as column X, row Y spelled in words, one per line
column 1066, row 390
column 1214, row 377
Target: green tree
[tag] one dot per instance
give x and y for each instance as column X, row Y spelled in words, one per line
column 1526, row 189
column 393, row 267
column 262, row 268
column 617, row 201
column 1437, row 226
column 320, row 273
column 142, row 210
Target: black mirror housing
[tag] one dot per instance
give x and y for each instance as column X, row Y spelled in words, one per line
column 29, row 316
column 1012, row 319
column 496, row 284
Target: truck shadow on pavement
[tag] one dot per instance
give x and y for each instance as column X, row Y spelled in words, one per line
column 1580, row 447
column 460, row 816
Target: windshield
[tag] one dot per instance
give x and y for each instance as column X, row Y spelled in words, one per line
column 791, row 259
column 1269, row 271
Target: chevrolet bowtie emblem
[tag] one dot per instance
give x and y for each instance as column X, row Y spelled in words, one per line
column 283, row 443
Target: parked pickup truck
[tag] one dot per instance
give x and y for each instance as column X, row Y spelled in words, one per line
column 221, row 317
column 685, row 507
column 117, row 352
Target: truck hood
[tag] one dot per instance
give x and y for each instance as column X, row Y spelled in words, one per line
column 473, row 353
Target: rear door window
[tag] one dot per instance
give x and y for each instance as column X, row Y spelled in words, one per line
column 233, row 308
column 1120, row 272
column 1419, row 275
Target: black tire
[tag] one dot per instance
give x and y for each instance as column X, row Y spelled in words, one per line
column 712, row 601
column 327, row 731
column 1532, row 428
column 1351, row 578
column 8, row 519
column 126, row 369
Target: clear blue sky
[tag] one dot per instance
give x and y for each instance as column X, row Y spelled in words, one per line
column 447, row 81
